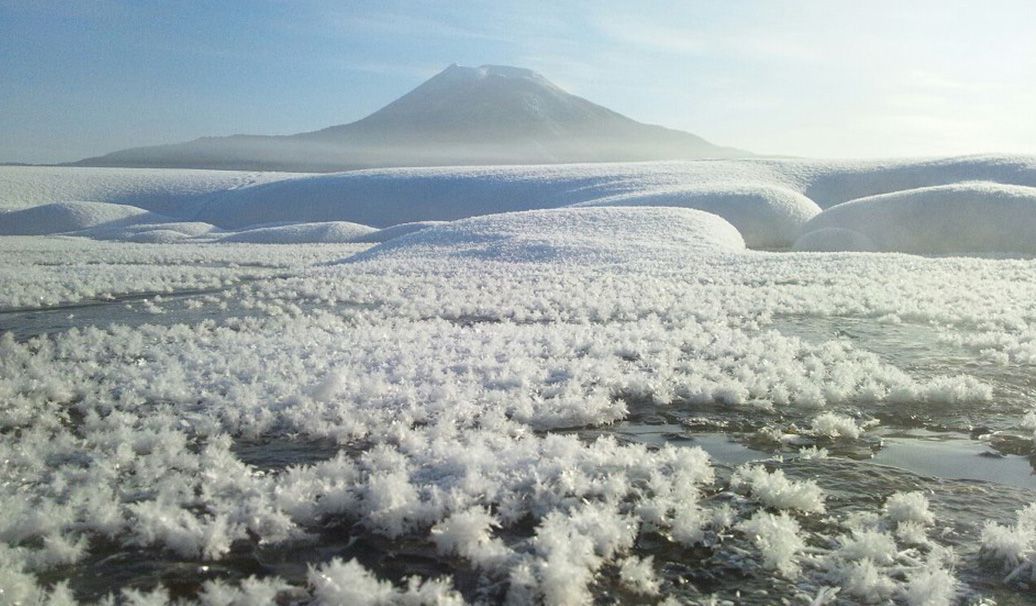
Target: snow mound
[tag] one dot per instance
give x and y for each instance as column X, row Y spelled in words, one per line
column 581, row 235
column 385, row 197
column 963, row 218
column 148, row 232
column 332, row 232
column 384, row 235
column 767, row 216
column 390, row 196
column 156, row 236
column 64, row 217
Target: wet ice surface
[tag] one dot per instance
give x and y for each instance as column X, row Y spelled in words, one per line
column 955, row 457
column 303, row 364
column 130, row 310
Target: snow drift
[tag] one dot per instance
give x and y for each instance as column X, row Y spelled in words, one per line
column 332, row 232
column 579, row 235
column 156, row 236
column 386, row 197
column 148, row 232
column 62, row 217
column 973, row 217
column 170, row 192
column 384, row 235
column 766, row 216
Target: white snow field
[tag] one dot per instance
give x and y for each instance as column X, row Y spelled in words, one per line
column 526, row 404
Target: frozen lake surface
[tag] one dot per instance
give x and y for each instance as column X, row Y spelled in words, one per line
column 602, row 404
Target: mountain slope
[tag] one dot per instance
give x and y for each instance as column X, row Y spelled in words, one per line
column 484, row 115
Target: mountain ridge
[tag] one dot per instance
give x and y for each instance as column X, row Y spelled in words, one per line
column 483, row 115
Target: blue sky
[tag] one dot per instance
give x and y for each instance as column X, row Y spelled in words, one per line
column 813, row 78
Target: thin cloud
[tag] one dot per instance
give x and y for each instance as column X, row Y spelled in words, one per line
column 403, row 24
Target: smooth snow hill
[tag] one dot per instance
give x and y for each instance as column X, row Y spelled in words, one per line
column 63, row 217
column 384, row 197
column 963, row 218
column 332, row 232
column 767, row 216
column 834, row 182
column 605, row 235
column 768, row 200
column 159, row 232
column 464, row 115
column 402, row 229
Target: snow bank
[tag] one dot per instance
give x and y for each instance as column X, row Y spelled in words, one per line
column 833, row 182
column 64, row 217
column 595, row 235
column 156, row 236
column 167, row 191
column 102, row 221
column 332, row 232
column 973, row 217
column 766, row 216
column 387, row 197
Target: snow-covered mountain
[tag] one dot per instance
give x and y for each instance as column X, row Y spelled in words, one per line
column 463, row 115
